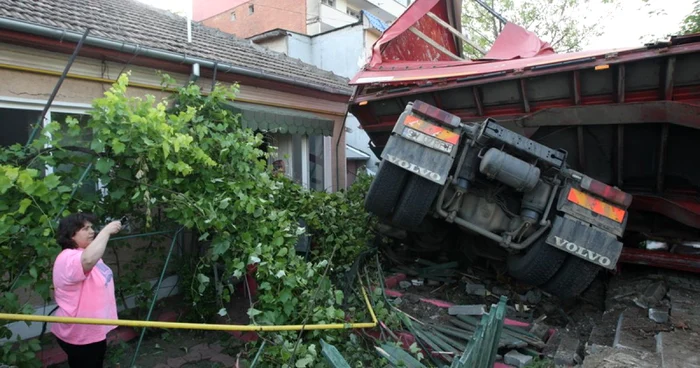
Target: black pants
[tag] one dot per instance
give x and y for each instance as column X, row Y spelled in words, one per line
column 85, row 356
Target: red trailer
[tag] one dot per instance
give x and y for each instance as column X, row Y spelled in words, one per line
column 626, row 117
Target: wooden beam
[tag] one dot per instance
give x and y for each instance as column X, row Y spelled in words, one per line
column 455, row 32
column 581, row 149
column 523, row 95
column 661, row 168
column 577, row 88
column 668, row 78
column 620, row 154
column 477, row 101
column 620, row 83
column 434, row 44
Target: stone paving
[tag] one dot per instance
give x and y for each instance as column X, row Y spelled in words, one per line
column 198, row 353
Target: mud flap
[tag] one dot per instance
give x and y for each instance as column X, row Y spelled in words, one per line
column 585, row 241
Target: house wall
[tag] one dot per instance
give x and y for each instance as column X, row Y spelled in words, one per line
column 338, row 51
column 28, row 76
column 268, row 15
column 278, row 44
column 203, row 9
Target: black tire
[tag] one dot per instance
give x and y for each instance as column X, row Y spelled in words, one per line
column 415, row 202
column 574, row 276
column 537, row 264
column 385, row 189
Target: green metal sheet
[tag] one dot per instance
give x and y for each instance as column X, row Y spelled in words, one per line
column 280, row 120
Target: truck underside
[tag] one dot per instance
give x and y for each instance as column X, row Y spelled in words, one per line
column 629, row 118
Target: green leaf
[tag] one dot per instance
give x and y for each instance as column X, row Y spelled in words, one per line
column 304, row 362
column 285, row 295
column 338, row 297
column 252, row 312
column 283, row 252
column 32, row 272
column 52, row 181
column 103, row 165
column 5, row 184
column 118, row 146
column 278, row 241
column 24, row 204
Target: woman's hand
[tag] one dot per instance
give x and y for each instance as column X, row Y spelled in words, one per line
column 113, row 227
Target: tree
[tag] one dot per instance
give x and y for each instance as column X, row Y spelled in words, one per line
column 691, row 23
column 565, row 24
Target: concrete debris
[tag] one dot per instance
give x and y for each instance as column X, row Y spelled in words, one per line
column 540, row 330
column 416, row 282
column 405, row 284
column 467, row 310
column 678, row 349
column 516, row 359
column 652, row 295
column 476, row 289
column 550, row 348
column 659, row 315
column 568, row 351
column 636, row 331
column 496, row 290
column 607, row 357
column 534, row 296
column 684, row 310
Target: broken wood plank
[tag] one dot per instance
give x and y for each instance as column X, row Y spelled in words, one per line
column 456, row 32
column 434, row 44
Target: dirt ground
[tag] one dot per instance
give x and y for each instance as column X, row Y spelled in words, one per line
column 161, row 345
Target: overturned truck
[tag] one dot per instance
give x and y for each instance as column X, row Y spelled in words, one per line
column 539, row 153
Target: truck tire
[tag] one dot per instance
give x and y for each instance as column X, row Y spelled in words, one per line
column 574, row 276
column 537, row 264
column 385, row 189
column 415, row 202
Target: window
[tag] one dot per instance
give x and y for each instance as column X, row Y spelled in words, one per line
column 316, row 163
column 353, row 12
column 16, row 125
column 17, row 120
column 330, row 3
column 233, row 16
column 251, row 9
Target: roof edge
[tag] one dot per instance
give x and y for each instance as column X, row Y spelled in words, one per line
column 134, row 48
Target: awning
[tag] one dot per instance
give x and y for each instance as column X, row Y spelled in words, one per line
column 280, row 120
column 354, row 154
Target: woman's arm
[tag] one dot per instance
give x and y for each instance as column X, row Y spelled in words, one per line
column 96, row 249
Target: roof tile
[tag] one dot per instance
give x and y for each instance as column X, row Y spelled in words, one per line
column 134, row 22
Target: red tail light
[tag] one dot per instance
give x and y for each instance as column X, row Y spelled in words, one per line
column 435, row 113
column 605, row 191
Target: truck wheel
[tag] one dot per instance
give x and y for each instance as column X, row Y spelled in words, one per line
column 537, row 264
column 385, row 189
column 574, row 276
column 415, row 202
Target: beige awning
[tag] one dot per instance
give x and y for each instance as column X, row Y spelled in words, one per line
column 280, row 120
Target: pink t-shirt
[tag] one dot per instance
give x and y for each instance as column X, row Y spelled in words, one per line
column 83, row 295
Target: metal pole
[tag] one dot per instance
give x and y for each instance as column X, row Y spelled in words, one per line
column 493, row 12
column 57, row 87
column 155, row 295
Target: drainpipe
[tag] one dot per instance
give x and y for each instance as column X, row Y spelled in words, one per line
column 337, row 144
column 131, row 48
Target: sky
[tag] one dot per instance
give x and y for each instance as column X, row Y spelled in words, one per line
column 622, row 29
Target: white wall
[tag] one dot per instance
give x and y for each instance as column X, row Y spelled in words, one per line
column 338, row 51
column 334, row 17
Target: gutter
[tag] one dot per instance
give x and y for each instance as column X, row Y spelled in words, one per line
column 136, row 49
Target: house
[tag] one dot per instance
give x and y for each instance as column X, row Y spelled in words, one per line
column 245, row 18
column 301, row 107
column 342, row 51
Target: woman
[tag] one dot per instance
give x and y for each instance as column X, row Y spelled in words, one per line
column 83, row 287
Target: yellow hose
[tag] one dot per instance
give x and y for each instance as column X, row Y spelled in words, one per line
column 194, row 326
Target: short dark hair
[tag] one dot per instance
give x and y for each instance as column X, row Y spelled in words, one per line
column 70, row 225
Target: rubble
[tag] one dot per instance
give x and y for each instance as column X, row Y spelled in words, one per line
column 568, row 351
column 607, row 357
column 476, row 289
column 405, row 284
column 516, row 359
column 659, row 315
column 652, row 295
column 468, row 310
column 678, row 349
